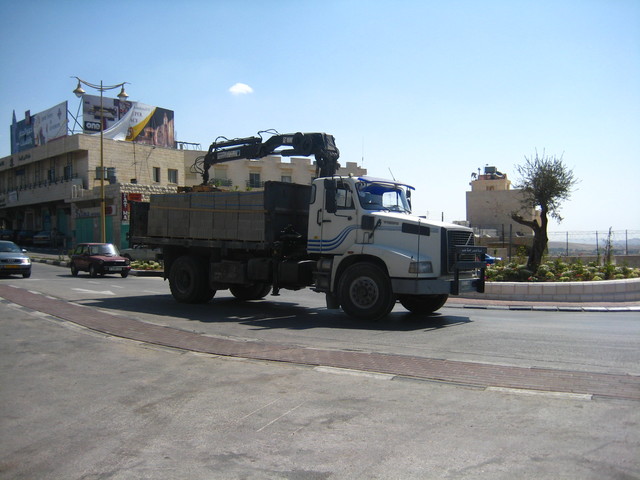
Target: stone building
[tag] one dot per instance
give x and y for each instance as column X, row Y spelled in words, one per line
column 57, row 186
column 491, row 202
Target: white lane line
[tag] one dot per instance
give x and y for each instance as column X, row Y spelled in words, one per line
column 541, row 393
column 281, row 416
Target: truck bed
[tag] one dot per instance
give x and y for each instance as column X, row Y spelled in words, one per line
column 213, row 219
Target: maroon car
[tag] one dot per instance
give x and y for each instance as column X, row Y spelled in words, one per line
column 98, row 259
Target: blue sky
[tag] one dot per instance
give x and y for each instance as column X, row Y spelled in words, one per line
column 429, row 90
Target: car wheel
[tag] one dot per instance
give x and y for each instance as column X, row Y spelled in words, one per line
column 124, row 274
column 92, row 271
column 26, row 274
column 74, row 270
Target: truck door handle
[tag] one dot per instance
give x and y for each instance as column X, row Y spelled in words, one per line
column 321, row 221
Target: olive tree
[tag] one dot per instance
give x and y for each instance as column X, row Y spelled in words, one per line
column 545, row 183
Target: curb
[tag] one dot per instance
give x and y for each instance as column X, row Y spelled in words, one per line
column 546, row 308
column 135, row 273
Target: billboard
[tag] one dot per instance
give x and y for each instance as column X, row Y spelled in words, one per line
column 128, row 121
column 38, row 129
column 113, row 111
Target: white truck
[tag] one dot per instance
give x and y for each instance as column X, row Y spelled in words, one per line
column 352, row 238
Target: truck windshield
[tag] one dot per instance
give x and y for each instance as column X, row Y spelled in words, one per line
column 383, row 196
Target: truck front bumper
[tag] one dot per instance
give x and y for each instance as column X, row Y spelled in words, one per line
column 428, row 286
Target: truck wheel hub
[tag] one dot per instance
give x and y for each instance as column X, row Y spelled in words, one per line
column 364, row 292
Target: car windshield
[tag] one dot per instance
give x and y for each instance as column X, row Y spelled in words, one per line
column 9, row 248
column 383, row 196
column 107, row 250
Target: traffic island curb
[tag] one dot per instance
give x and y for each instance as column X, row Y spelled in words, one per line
column 135, row 273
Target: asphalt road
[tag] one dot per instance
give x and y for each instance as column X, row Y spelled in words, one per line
column 605, row 342
column 78, row 404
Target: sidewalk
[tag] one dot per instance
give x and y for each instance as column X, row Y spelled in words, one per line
column 453, row 302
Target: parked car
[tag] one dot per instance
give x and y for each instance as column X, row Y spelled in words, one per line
column 14, row 260
column 6, row 234
column 142, row 253
column 98, row 259
column 25, row 237
column 491, row 260
column 49, row 238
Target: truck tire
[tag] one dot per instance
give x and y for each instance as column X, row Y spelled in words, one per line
column 255, row 291
column 188, row 281
column 364, row 291
column 423, row 304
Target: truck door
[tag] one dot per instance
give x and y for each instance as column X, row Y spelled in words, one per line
column 334, row 217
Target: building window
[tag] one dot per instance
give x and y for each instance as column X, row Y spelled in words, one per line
column 172, row 175
column 285, row 178
column 254, row 180
column 156, row 174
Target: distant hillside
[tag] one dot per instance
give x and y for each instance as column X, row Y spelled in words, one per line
column 560, row 247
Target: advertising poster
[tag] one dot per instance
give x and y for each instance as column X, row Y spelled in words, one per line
column 38, row 129
column 129, row 121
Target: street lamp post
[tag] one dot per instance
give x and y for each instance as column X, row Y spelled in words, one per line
column 79, row 92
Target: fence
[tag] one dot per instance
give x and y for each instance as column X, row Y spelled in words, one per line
column 594, row 243
column 598, row 245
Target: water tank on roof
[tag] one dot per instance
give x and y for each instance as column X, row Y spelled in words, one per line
column 490, row 170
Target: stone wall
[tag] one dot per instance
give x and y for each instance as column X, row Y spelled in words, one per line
column 627, row 290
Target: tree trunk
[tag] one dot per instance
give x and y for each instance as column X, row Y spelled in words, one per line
column 540, row 239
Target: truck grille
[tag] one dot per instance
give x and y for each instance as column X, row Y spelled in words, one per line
column 454, row 238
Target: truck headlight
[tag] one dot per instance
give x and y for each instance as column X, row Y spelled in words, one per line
column 420, row 267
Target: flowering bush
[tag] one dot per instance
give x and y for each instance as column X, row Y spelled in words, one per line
column 151, row 265
column 559, row 271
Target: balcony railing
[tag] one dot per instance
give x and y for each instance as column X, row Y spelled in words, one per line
column 221, row 182
column 254, row 184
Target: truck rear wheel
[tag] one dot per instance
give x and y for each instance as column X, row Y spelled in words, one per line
column 188, row 281
column 423, row 304
column 365, row 292
column 255, row 291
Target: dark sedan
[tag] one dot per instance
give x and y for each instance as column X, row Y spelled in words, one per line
column 98, row 259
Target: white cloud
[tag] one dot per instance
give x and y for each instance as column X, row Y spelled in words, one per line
column 241, row 89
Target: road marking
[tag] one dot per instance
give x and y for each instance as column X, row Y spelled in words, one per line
column 281, row 416
column 104, row 292
column 541, row 393
column 355, row 373
column 256, row 411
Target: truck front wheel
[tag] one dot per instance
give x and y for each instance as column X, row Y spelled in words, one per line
column 423, row 304
column 188, row 281
column 365, row 292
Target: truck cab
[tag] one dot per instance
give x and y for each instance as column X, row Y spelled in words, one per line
column 372, row 250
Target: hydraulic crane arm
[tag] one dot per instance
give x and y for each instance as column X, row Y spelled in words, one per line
column 321, row 145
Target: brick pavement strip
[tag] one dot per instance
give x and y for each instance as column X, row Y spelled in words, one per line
column 465, row 373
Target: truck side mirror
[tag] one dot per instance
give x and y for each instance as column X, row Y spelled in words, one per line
column 330, row 189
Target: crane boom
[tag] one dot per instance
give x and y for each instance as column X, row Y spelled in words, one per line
column 321, row 145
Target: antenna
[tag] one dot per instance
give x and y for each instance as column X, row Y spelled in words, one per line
column 394, row 178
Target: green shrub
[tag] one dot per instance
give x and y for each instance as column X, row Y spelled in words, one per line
column 558, row 271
